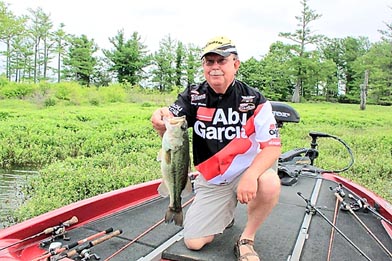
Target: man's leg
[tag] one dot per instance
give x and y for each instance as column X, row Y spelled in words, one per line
column 261, row 206
column 210, row 213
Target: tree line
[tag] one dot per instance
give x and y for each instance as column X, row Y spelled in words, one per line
column 305, row 66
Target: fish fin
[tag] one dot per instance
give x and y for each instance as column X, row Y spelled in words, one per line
column 175, row 216
column 188, row 188
column 163, row 190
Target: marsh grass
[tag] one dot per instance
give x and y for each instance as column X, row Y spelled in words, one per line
column 83, row 149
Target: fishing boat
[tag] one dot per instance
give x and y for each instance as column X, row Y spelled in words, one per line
column 320, row 216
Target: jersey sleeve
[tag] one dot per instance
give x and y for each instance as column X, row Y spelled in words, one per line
column 267, row 133
column 182, row 106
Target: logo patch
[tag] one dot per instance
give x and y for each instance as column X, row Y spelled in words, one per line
column 244, row 107
column 247, row 99
column 195, row 97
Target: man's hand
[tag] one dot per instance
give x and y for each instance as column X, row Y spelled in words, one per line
column 157, row 119
column 247, row 188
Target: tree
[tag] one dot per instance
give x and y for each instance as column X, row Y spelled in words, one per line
column 302, row 36
column 387, row 33
column 80, row 61
column 10, row 27
column 249, row 72
column 278, row 71
column 164, row 71
column 179, row 64
column 378, row 61
column 193, row 72
column 60, row 38
column 345, row 52
column 40, row 31
column 128, row 58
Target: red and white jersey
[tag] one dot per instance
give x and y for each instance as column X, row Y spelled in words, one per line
column 228, row 129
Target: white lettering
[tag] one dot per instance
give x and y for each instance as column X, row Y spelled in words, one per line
column 233, row 121
column 233, row 117
column 219, row 133
column 219, row 117
column 199, row 129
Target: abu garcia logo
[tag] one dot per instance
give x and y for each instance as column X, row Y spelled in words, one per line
column 232, row 127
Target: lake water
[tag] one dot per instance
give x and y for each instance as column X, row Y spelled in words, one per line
column 11, row 182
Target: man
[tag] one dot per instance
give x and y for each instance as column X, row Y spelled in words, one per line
column 235, row 149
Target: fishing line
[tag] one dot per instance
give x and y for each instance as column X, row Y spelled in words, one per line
column 144, row 233
column 84, row 250
column 55, row 230
column 363, row 204
column 48, row 254
column 339, row 190
column 313, row 209
column 348, row 207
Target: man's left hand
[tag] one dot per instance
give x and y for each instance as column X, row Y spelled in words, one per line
column 247, row 188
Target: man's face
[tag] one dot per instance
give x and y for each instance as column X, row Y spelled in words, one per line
column 220, row 71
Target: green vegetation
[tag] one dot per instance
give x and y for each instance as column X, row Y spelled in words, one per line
column 87, row 141
column 305, row 67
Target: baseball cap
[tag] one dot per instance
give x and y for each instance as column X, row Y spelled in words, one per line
column 220, row 45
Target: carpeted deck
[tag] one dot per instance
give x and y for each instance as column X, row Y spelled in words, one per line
column 274, row 241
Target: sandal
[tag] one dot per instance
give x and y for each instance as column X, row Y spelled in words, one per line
column 249, row 244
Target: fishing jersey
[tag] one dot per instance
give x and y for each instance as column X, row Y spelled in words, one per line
column 228, row 129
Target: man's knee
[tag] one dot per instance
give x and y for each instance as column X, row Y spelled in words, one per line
column 269, row 183
column 198, row 243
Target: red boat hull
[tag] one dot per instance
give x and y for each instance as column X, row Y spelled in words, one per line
column 109, row 203
column 86, row 211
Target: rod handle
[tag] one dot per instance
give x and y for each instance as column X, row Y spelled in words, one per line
column 93, row 243
column 67, row 223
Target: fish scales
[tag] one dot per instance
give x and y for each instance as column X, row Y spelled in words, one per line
column 175, row 162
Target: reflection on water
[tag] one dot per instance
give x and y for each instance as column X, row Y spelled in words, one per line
column 11, row 182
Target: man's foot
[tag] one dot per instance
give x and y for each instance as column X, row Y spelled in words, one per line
column 244, row 251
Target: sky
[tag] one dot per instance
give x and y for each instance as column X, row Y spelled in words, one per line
column 253, row 25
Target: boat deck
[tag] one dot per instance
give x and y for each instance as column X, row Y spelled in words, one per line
column 274, row 241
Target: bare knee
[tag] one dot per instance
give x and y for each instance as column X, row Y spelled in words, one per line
column 198, row 243
column 269, row 184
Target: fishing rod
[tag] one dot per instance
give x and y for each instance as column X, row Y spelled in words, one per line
column 362, row 203
column 347, row 206
column 312, row 209
column 53, row 252
column 144, row 233
column 55, row 230
column 339, row 190
column 84, row 251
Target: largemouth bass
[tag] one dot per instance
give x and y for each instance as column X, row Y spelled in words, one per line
column 175, row 160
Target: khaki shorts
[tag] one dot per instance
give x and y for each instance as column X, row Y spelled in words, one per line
column 213, row 207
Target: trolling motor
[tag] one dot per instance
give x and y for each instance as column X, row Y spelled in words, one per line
column 292, row 163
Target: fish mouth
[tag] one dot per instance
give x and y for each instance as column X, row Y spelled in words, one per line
column 176, row 120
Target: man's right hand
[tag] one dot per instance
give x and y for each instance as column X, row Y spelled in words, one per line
column 157, row 119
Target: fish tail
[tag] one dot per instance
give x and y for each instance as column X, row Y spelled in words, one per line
column 174, row 215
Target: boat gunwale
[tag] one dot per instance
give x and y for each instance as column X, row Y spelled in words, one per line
column 383, row 206
column 86, row 210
